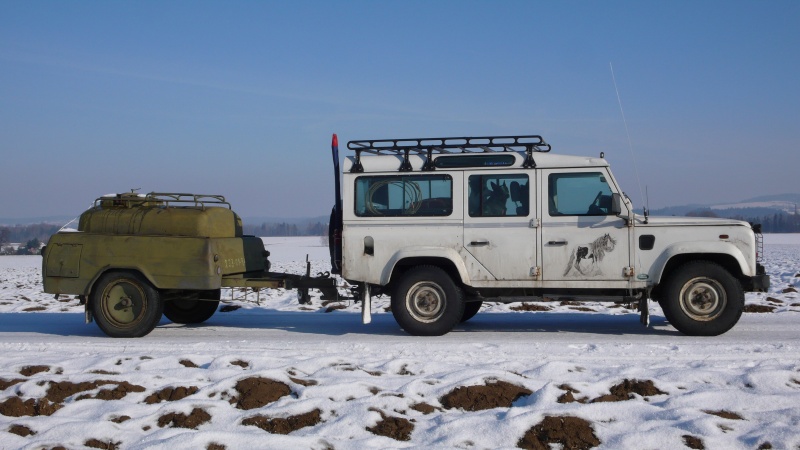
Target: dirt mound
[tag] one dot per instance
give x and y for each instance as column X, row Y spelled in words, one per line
column 21, row 430
column 397, row 428
column 33, row 370
column 170, row 394
column 179, row 420
column 279, row 425
column 121, row 419
column 105, row 445
column 240, row 363
column 424, row 408
column 16, row 407
column 724, row 414
column 303, row 382
column 569, row 396
column 530, row 307
column 188, row 363
column 789, row 290
column 58, row 391
column 570, row 432
column 256, row 392
column 693, row 442
column 758, row 309
column 497, row 394
column 5, row 384
column 626, row 389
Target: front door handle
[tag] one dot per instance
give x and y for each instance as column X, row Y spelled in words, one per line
column 479, row 243
column 558, row 243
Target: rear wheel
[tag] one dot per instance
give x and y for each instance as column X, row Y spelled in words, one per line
column 426, row 302
column 702, row 299
column 125, row 304
column 470, row 309
column 193, row 309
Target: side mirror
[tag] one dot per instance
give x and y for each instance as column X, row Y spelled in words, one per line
column 616, row 204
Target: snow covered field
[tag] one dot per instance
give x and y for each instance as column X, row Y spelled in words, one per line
column 282, row 375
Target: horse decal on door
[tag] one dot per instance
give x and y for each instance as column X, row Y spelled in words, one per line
column 585, row 259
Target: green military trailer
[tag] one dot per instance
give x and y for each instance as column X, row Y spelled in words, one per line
column 135, row 257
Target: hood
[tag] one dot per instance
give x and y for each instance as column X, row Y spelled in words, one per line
column 665, row 221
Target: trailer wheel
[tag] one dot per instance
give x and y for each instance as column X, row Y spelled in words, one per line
column 470, row 309
column 125, row 304
column 702, row 299
column 426, row 302
column 192, row 310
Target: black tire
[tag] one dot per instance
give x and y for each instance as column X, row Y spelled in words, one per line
column 426, row 302
column 702, row 299
column 191, row 310
column 470, row 309
column 125, row 305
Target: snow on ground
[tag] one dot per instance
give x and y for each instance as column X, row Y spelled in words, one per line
column 246, row 376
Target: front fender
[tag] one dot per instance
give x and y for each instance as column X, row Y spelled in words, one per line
column 428, row 253
column 699, row 248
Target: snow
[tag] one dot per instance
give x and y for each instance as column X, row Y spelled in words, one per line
column 365, row 371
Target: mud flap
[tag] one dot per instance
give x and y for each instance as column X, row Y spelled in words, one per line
column 644, row 310
column 366, row 305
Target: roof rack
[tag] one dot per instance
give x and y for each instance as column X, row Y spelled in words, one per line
column 428, row 146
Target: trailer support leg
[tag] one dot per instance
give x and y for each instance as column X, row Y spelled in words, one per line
column 366, row 305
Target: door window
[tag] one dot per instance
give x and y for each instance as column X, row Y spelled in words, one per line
column 579, row 194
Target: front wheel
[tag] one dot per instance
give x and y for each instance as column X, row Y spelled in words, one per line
column 426, row 302
column 125, row 304
column 192, row 309
column 702, row 299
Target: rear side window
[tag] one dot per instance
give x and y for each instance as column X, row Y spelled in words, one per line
column 579, row 194
column 498, row 195
column 412, row 195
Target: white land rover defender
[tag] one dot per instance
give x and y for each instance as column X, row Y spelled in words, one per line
column 445, row 224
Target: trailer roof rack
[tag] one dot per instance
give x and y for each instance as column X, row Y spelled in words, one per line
column 430, row 146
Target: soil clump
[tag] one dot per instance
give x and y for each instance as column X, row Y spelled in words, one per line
column 256, row 392
column 170, row 394
column 497, row 394
column 179, row 420
column 626, row 389
column 570, row 432
column 280, row 425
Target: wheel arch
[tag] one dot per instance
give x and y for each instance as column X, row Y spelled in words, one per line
column 726, row 261
column 90, row 286
column 402, row 264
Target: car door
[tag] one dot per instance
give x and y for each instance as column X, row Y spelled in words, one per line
column 581, row 238
column 498, row 214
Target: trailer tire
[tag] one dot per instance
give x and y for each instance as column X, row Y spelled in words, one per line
column 192, row 310
column 126, row 305
column 701, row 298
column 426, row 302
column 470, row 309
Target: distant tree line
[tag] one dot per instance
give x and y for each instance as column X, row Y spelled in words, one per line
column 268, row 229
column 30, row 238
column 780, row 222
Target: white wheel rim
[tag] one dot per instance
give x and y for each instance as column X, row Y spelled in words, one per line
column 426, row 301
column 703, row 299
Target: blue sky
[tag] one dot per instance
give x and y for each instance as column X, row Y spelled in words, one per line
column 240, row 98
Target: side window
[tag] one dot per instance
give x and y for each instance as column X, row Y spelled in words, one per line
column 579, row 194
column 413, row 195
column 499, row 196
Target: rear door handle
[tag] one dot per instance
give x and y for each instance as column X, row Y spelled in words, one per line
column 479, row 243
column 559, row 243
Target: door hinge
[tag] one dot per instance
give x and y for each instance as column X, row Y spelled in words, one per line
column 536, row 271
column 535, row 223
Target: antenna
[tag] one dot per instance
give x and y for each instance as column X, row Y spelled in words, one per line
column 630, row 144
